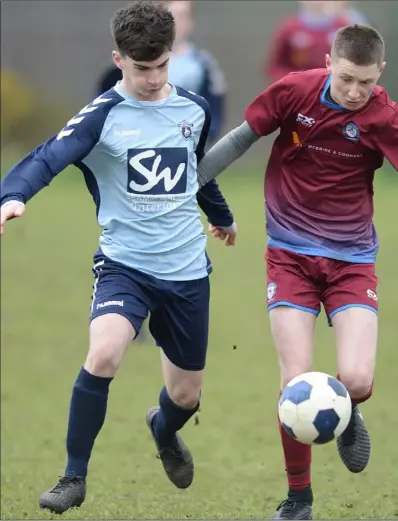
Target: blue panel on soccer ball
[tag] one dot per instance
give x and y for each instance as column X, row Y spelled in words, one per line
column 289, row 430
column 325, row 423
column 297, row 393
column 337, row 387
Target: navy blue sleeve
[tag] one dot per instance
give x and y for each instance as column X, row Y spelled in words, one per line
column 213, row 89
column 214, row 206
column 74, row 142
column 209, row 197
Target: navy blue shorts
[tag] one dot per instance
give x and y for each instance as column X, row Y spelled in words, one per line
column 179, row 310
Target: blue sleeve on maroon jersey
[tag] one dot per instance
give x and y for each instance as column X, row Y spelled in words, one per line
column 74, row 142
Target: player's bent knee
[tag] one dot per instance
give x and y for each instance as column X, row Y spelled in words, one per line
column 357, row 382
column 183, row 385
column 110, row 336
column 185, row 395
column 104, row 360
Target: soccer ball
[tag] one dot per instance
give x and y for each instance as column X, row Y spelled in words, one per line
column 314, row 408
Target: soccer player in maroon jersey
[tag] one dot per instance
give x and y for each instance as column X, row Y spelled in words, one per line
column 336, row 127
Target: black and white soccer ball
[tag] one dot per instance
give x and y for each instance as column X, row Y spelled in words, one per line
column 314, row 408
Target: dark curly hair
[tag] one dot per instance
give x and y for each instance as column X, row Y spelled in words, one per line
column 143, row 30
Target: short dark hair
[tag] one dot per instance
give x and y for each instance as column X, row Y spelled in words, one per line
column 359, row 44
column 143, row 30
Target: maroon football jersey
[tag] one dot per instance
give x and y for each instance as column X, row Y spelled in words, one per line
column 319, row 177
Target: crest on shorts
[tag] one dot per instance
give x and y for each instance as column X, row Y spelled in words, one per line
column 186, row 129
column 351, row 132
column 271, row 290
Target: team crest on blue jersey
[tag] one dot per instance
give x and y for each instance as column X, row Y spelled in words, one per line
column 186, row 129
column 351, row 132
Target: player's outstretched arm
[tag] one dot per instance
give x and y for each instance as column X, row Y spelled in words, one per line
column 263, row 116
column 36, row 170
column 209, row 196
column 230, row 148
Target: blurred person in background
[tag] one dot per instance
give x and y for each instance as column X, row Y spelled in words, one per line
column 191, row 68
column 301, row 40
column 346, row 10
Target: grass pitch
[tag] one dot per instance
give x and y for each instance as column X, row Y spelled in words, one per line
column 46, row 287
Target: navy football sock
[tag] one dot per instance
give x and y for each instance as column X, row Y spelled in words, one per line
column 86, row 417
column 169, row 419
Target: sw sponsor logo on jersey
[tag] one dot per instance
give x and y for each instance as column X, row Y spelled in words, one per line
column 157, row 171
column 186, row 129
column 305, row 120
column 351, row 132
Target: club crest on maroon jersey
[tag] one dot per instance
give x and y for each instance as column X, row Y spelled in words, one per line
column 351, row 132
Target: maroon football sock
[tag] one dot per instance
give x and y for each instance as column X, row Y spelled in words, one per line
column 297, row 461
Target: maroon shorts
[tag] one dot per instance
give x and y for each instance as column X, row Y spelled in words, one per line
column 304, row 282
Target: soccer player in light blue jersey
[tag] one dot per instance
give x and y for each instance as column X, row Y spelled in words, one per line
column 190, row 67
column 138, row 146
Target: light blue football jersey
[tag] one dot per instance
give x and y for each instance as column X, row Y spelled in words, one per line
column 139, row 161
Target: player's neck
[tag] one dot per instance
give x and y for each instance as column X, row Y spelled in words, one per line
column 332, row 96
column 160, row 95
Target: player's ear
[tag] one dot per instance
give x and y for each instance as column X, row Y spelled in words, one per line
column 328, row 62
column 116, row 59
column 382, row 67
